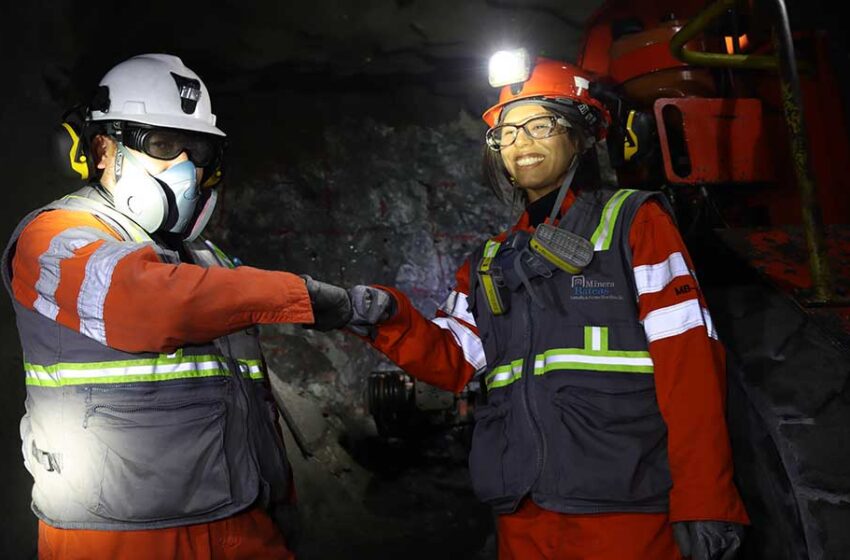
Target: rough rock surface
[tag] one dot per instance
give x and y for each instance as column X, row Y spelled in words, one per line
column 789, row 412
column 396, row 205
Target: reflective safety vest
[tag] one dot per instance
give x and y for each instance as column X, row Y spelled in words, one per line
column 571, row 416
column 122, row 441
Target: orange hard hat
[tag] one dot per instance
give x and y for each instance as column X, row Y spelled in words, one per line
column 561, row 83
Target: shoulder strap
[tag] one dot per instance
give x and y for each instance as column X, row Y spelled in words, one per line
column 628, row 213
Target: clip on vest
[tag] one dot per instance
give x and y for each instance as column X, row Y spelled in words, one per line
column 50, row 461
column 495, row 290
column 566, row 250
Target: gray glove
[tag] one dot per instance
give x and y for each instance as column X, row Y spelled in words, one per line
column 371, row 306
column 708, row 540
column 331, row 305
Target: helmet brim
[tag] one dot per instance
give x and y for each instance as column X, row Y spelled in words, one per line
column 165, row 121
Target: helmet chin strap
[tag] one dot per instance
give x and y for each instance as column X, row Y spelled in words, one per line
column 562, row 192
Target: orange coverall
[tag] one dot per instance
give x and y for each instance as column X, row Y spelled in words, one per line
column 152, row 306
column 690, row 384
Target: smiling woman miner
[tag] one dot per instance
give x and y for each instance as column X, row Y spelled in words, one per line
column 603, row 435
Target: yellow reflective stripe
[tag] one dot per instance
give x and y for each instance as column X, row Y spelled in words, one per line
column 595, row 356
column 603, row 234
column 502, row 376
column 493, row 299
column 596, row 338
column 490, row 289
column 252, row 369
column 624, row 361
column 222, row 256
column 490, row 250
column 126, row 371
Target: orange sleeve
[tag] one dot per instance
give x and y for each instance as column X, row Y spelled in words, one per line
column 444, row 352
column 690, row 371
column 72, row 268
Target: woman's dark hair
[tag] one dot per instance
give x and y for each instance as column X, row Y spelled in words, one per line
column 499, row 180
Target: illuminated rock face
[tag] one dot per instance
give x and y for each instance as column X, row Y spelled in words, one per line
column 399, row 205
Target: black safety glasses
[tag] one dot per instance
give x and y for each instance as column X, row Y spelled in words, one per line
column 166, row 143
column 538, row 128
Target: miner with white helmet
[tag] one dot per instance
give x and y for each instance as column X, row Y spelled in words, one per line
column 150, row 429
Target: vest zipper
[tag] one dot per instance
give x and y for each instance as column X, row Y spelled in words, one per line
column 528, row 373
column 129, row 409
column 218, row 380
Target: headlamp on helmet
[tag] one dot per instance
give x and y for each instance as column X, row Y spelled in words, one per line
column 509, row 67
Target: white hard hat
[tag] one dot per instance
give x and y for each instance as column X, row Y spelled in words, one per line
column 158, row 90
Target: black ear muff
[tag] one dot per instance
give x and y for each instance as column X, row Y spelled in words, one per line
column 72, row 145
column 640, row 137
column 632, row 138
column 632, row 135
column 214, row 172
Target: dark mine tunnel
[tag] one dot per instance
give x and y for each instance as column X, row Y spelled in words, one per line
column 356, row 154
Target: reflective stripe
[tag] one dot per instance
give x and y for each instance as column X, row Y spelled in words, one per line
column 163, row 368
column 491, row 290
column 504, row 375
column 61, row 247
column 596, row 338
column 473, row 351
column 709, row 324
column 603, row 234
column 491, row 248
column 221, row 255
column 595, row 356
column 651, row 278
column 95, row 286
column 590, row 360
column 457, row 306
column 115, row 218
column 251, row 369
column 676, row 319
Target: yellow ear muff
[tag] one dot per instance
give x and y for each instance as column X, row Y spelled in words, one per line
column 630, row 139
column 76, row 155
column 212, row 180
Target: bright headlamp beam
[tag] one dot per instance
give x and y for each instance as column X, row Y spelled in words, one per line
column 509, row 67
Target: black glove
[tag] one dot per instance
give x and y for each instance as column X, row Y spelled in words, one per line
column 371, row 306
column 331, row 305
column 708, row 540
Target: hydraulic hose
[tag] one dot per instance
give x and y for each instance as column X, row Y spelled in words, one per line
column 696, row 26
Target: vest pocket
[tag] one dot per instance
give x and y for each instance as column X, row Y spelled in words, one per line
column 158, row 461
column 487, row 456
column 611, row 446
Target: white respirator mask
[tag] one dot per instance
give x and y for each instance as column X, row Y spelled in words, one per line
column 166, row 201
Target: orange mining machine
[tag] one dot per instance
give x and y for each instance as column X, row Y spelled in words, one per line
column 736, row 110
